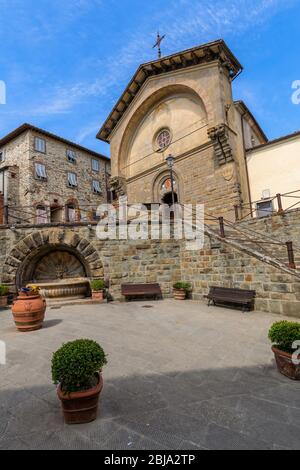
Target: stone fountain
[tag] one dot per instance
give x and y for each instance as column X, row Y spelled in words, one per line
column 60, row 275
column 66, row 289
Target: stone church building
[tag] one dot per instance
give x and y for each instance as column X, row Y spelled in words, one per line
column 182, row 105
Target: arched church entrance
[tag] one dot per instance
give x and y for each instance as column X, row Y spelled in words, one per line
column 162, row 188
column 166, row 191
column 168, row 199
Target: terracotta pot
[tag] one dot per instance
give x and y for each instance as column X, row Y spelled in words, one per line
column 179, row 294
column 97, row 295
column 285, row 364
column 29, row 312
column 81, row 407
column 3, row 301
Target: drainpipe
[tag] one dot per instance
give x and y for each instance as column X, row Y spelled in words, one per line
column 246, row 164
column 108, row 193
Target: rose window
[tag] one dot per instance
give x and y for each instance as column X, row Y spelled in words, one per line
column 163, row 139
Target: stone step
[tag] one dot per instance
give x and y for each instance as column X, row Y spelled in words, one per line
column 54, row 304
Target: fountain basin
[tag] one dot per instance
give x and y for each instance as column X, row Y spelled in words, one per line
column 67, row 289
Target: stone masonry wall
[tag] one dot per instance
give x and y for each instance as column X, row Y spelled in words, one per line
column 277, row 292
column 57, row 168
column 144, row 261
column 165, row 262
column 17, row 155
column 199, row 179
column 1, row 208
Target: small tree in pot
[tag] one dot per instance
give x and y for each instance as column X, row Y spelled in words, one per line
column 76, row 369
column 285, row 337
column 98, row 287
column 181, row 290
column 4, row 291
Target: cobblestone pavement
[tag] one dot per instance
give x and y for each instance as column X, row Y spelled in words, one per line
column 179, row 376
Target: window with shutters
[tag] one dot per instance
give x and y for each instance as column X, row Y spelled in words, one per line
column 41, row 215
column 39, row 145
column 71, row 156
column 95, row 165
column 97, row 187
column 72, row 180
column 40, row 172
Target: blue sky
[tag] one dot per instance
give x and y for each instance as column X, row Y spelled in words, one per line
column 66, row 62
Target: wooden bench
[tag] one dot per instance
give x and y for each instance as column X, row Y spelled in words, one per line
column 223, row 295
column 141, row 290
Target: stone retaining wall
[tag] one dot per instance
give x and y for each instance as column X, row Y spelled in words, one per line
column 164, row 262
column 277, row 292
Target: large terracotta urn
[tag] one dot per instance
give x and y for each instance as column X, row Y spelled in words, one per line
column 29, row 311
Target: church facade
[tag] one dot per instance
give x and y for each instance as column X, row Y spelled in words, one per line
column 182, row 105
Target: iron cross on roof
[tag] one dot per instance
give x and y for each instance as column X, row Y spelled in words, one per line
column 158, row 43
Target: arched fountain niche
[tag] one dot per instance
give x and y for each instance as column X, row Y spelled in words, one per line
column 60, row 272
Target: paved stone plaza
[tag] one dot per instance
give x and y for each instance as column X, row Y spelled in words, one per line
column 179, row 376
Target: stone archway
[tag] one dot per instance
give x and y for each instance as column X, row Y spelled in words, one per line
column 51, row 263
column 161, row 186
column 27, row 257
column 146, row 102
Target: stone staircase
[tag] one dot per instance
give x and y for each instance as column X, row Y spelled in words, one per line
column 257, row 244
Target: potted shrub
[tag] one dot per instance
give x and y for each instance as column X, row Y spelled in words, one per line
column 283, row 335
column 29, row 309
column 76, row 369
column 4, row 291
column 181, row 290
column 98, row 287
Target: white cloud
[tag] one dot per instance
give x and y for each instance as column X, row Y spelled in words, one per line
column 185, row 23
column 87, row 131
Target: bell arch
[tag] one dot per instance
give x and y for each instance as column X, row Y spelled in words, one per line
column 193, row 90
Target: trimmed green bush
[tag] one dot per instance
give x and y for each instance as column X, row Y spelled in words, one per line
column 4, row 290
column 186, row 286
column 75, row 364
column 97, row 285
column 283, row 334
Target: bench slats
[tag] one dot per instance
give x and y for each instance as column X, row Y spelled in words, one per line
column 234, row 296
column 135, row 290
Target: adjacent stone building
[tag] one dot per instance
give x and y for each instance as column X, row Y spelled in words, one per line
column 274, row 168
column 45, row 178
